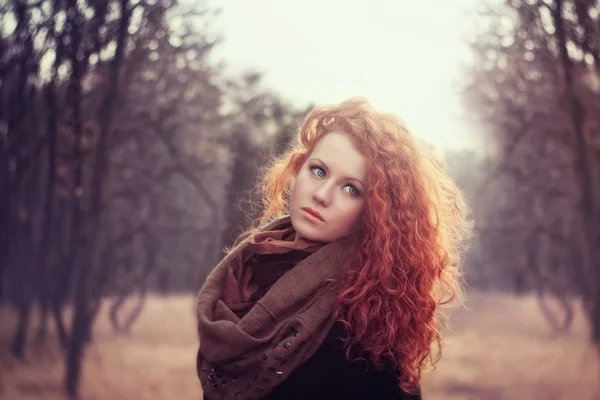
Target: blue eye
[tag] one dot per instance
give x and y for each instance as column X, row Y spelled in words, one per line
column 352, row 190
column 318, row 171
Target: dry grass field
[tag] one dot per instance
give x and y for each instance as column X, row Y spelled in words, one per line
column 500, row 348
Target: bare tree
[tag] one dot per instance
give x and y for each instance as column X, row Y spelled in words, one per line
column 536, row 67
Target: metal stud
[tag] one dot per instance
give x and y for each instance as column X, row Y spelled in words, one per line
column 287, row 345
column 279, row 374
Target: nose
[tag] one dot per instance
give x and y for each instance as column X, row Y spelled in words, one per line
column 323, row 194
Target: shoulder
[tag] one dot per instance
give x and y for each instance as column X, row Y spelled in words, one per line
column 328, row 374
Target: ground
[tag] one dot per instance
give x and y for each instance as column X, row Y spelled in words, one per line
column 500, row 348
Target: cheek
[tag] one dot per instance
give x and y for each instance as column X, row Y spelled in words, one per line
column 350, row 215
column 297, row 189
column 357, row 213
column 300, row 183
column 358, row 220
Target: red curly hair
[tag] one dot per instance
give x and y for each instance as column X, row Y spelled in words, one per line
column 414, row 231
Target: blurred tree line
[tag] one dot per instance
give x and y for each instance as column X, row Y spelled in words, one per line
column 128, row 158
column 534, row 86
column 125, row 154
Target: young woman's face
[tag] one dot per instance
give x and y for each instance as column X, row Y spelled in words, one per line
column 328, row 197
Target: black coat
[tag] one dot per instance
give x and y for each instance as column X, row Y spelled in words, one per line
column 328, row 375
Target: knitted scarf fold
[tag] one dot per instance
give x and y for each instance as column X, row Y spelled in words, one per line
column 268, row 255
column 246, row 357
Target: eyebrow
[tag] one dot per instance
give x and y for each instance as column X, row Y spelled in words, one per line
column 347, row 177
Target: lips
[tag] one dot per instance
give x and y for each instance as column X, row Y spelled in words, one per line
column 314, row 213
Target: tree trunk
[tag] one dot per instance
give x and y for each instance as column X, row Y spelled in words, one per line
column 4, row 220
column 76, row 346
column 24, row 238
column 74, row 264
column 48, row 213
column 242, row 183
column 42, row 332
column 589, row 212
column 63, row 338
column 88, row 289
column 19, row 341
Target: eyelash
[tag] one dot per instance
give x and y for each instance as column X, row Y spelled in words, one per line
column 313, row 167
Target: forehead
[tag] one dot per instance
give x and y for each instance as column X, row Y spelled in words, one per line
column 337, row 150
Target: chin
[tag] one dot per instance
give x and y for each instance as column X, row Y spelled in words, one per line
column 306, row 229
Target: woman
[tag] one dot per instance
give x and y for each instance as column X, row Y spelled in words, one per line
column 336, row 293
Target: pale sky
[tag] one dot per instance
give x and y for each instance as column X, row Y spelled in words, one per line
column 404, row 56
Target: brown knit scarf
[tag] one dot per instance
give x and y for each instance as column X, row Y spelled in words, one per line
column 245, row 357
column 268, row 255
